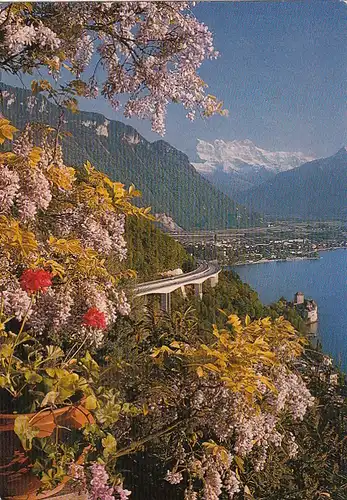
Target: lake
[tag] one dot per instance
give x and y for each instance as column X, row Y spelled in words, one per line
column 324, row 280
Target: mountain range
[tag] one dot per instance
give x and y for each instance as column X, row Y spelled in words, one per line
column 277, row 184
column 168, row 181
column 315, row 190
column 235, row 166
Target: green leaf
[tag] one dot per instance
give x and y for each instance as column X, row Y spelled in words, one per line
column 90, row 403
column 52, row 477
column 50, row 398
column 32, row 377
column 25, row 431
column 248, row 494
column 90, row 365
column 156, row 352
column 211, row 367
column 6, row 350
column 23, row 339
column 240, row 463
column 67, row 386
column 54, row 352
column 109, row 444
column 34, row 86
column 79, row 86
column 109, row 413
column 56, row 372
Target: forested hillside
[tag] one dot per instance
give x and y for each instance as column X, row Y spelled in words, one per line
column 150, row 251
column 169, row 183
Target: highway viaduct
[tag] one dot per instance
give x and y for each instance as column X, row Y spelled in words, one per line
column 164, row 287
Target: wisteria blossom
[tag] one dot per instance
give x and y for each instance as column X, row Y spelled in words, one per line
column 99, row 487
column 35, row 194
column 212, row 485
column 104, row 234
column 173, row 477
column 122, row 494
column 9, row 188
column 292, row 393
column 150, row 51
column 16, row 302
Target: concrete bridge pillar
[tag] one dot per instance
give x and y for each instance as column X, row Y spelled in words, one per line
column 214, row 281
column 184, row 293
column 145, row 302
column 165, row 302
column 198, row 290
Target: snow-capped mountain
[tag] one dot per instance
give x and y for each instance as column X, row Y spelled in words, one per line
column 239, row 165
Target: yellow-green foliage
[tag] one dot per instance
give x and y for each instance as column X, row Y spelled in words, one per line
column 32, row 244
column 238, row 352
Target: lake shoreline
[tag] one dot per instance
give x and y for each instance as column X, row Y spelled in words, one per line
column 324, row 280
column 268, row 261
column 290, row 259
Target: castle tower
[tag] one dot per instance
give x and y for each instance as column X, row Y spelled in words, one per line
column 299, row 298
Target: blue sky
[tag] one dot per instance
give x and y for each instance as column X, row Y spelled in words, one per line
column 281, row 74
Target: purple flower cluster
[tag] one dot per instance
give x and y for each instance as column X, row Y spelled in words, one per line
column 9, row 188
column 160, row 45
column 173, row 477
column 16, row 302
column 122, row 494
column 99, row 488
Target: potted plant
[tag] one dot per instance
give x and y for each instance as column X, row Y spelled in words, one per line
column 58, row 420
column 48, row 393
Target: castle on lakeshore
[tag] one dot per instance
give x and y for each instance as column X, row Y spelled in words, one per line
column 307, row 308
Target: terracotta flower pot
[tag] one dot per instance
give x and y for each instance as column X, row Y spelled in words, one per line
column 16, row 480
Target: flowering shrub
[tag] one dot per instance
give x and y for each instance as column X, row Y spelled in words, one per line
column 62, row 233
column 59, row 292
column 313, row 463
column 198, row 438
column 150, row 51
column 213, row 408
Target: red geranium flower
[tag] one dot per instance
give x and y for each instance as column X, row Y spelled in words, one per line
column 94, row 317
column 35, row 280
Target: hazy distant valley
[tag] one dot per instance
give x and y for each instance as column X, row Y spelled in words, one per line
column 279, row 185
